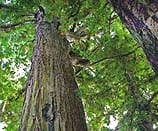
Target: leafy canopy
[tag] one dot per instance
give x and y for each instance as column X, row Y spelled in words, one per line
column 117, row 63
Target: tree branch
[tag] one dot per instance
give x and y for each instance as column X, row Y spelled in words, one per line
column 112, row 57
column 107, row 58
column 13, row 26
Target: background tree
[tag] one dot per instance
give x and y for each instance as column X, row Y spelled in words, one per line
column 117, row 82
column 141, row 20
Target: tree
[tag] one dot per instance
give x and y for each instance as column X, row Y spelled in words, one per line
column 51, row 101
column 118, row 82
column 141, row 20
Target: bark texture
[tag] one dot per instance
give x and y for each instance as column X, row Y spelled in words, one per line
column 142, row 21
column 52, row 101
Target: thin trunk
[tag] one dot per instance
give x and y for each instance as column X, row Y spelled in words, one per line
column 142, row 21
column 141, row 105
column 138, row 105
column 52, row 101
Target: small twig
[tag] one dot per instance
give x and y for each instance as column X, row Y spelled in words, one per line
column 149, row 79
column 2, row 6
column 112, row 57
column 78, row 71
column 153, row 96
column 77, row 11
column 105, row 5
column 110, row 21
column 73, row 27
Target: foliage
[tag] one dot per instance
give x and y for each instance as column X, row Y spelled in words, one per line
column 117, row 63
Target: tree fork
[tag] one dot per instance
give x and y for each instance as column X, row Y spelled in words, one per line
column 51, row 102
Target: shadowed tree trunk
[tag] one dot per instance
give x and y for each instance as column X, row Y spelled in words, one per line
column 52, row 102
column 141, row 19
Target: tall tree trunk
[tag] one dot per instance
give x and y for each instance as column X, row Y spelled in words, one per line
column 142, row 21
column 52, row 102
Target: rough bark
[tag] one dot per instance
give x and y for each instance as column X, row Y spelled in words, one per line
column 52, row 101
column 142, row 21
